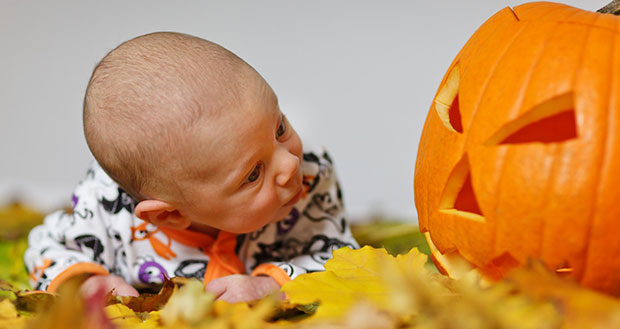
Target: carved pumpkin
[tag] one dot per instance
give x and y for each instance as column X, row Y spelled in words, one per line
column 520, row 153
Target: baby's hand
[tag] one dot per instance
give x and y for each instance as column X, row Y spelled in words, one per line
column 242, row 287
column 107, row 283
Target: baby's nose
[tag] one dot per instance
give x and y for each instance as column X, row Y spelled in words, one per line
column 289, row 165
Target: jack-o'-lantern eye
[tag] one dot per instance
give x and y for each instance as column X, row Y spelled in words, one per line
column 447, row 101
column 552, row 121
column 458, row 195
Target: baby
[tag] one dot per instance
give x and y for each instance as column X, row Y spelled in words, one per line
column 198, row 174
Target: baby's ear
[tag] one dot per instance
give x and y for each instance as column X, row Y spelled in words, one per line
column 161, row 213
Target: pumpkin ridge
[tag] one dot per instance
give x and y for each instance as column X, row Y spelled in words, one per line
column 488, row 78
column 518, row 104
column 547, row 190
column 597, row 191
column 476, row 105
column 577, row 273
column 580, row 274
column 483, row 90
column 473, row 45
column 509, row 152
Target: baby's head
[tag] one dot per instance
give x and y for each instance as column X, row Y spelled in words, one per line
column 194, row 133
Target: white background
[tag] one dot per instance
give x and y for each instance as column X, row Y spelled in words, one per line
column 356, row 76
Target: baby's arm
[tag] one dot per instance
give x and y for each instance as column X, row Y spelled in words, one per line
column 72, row 243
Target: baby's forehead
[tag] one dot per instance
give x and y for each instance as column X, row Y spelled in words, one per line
column 231, row 132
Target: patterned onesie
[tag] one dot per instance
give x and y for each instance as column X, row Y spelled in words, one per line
column 102, row 235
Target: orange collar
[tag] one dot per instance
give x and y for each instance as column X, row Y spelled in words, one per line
column 223, row 260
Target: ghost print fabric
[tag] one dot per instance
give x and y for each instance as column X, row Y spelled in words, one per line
column 102, row 229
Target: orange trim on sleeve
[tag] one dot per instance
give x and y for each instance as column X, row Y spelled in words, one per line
column 75, row 270
column 273, row 271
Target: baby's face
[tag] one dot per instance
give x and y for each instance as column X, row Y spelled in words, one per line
column 250, row 159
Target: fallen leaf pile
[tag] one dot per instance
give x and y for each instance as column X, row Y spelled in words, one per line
column 365, row 288
column 16, row 220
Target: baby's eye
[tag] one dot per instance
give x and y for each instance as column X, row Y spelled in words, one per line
column 281, row 129
column 255, row 174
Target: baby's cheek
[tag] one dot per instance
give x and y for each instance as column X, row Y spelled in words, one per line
column 264, row 207
column 297, row 147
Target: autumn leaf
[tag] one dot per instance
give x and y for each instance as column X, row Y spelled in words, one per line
column 400, row 292
column 192, row 306
column 69, row 310
column 26, row 301
column 9, row 317
column 31, row 301
column 145, row 302
column 124, row 317
column 350, row 276
column 16, row 219
column 189, row 305
column 579, row 307
column 395, row 236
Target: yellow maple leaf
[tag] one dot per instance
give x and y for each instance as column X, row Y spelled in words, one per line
column 369, row 288
column 122, row 316
column 189, row 305
column 9, row 317
column 352, row 276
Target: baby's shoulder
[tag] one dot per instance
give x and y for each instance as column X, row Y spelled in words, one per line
column 97, row 191
column 95, row 175
column 316, row 161
column 318, row 170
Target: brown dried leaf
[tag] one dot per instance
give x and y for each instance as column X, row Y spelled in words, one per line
column 147, row 302
column 32, row 301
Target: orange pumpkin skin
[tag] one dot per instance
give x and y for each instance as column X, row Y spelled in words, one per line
column 520, row 153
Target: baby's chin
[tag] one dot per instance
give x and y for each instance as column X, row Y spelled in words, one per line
column 259, row 225
column 254, row 228
column 286, row 212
